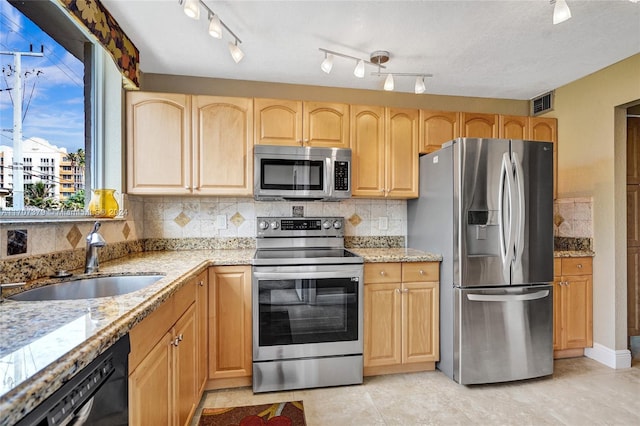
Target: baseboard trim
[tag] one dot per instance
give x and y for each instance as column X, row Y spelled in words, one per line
column 609, row 357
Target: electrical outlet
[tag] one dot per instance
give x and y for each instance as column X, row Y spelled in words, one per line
column 221, row 221
column 383, row 223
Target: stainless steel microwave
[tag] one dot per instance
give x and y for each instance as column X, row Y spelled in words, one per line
column 301, row 173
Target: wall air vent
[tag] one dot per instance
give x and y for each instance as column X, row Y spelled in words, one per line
column 542, row 103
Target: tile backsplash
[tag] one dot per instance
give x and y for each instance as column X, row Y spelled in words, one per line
column 573, row 217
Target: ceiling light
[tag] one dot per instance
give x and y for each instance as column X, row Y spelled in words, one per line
column 235, row 51
column 561, row 11
column 215, row 29
column 388, row 83
column 327, row 64
column 359, row 70
column 420, row 87
column 192, row 8
column 216, row 25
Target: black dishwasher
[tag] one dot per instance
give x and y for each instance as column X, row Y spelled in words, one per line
column 97, row 395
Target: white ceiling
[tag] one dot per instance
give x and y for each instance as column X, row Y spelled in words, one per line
column 498, row 49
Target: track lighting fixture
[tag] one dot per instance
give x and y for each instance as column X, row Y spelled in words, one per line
column 561, row 11
column 420, row 87
column 359, row 70
column 327, row 64
column 388, row 83
column 215, row 29
column 235, row 51
column 192, row 10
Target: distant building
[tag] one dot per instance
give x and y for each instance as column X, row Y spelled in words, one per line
column 43, row 162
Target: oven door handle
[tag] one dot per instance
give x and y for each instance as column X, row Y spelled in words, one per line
column 304, row 275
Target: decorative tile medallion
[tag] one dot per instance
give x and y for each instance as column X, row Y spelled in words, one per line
column 126, row 230
column 237, row 219
column 74, row 236
column 355, row 220
column 182, row 219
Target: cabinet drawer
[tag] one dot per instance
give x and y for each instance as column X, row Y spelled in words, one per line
column 577, row 266
column 420, row 271
column 185, row 297
column 382, row 273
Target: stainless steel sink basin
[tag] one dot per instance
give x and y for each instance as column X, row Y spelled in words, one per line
column 88, row 288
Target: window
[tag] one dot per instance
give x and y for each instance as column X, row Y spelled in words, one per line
column 62, row 159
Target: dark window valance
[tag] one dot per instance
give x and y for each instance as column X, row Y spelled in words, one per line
column 95, row 17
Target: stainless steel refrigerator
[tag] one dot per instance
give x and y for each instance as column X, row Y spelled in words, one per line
column 486, row 205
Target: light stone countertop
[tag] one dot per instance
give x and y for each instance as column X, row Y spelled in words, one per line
column 376, row 255
column 573, row 253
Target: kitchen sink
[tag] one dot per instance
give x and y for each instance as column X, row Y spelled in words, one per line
column 88, row 288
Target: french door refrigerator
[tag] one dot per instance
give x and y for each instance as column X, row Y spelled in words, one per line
column 486, row 205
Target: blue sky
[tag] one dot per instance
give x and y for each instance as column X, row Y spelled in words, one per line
column 55, row 110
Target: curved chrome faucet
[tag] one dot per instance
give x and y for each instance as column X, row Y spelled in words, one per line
column 94, row 241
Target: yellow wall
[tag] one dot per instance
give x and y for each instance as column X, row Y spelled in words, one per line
column 591, row 162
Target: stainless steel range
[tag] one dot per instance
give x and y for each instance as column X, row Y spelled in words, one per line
column 307, row 305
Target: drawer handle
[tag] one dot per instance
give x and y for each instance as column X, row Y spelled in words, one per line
column 421, row 272
column 201, row 283
column 398, row 290
column 383, row 273
column 579, row 265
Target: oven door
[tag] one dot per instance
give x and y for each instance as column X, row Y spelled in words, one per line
column 306, row 311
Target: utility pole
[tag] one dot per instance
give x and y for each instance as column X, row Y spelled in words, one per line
column 18, row 161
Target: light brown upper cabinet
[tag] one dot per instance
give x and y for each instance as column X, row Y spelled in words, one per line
column 285, row 122
column 475, row 125
column 514, row 127
column 384, row 142
column 436, row 128
column 181, row 144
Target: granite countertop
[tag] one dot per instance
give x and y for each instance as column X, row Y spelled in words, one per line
column 45, row 343
column 573, row 253
column 377, row 255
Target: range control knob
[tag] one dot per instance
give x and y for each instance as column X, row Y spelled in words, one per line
column 263, row 224
column 326, row 224
column 275, row 225
column 337, row 224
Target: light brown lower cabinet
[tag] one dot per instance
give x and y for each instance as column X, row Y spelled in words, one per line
column 162, row 363
column 572, row 306
column 401, row 317
column 230, row 356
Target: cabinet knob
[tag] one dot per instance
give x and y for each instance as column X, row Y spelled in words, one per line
column 175, row 342
column 579, row 265
column 398, row 290
column 201, row 283
column 187, row 187
column 406, row 290
column 180, row 337
column 383, row 273
column 421, row 272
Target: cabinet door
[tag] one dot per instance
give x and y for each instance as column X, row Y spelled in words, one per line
column 420, row 333
column 185, row 350
column 229, row 322
column 382, row 324
column 158, row 143
column 577, row 311
column 402, row 153
column 436, row 128
column 368, row 151
column 277, row 122
column 151, row 387
column 223, row 145
column 633, row 293
column 325, row 124
column 202, row 301
column 474, row 125
column 514, row 127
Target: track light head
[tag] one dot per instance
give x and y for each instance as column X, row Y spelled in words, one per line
column 420, row 87
column 327, row 64
column 192, row 8
column 215, row 28
column 388, row 83
column 235, row 51
column 359, row 70
column 561, row 11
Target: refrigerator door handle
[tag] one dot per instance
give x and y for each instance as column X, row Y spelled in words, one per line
column 506, row 248
column 519, row 240
column 507, row 297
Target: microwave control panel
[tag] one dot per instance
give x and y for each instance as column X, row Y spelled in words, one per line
column 341, row 176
